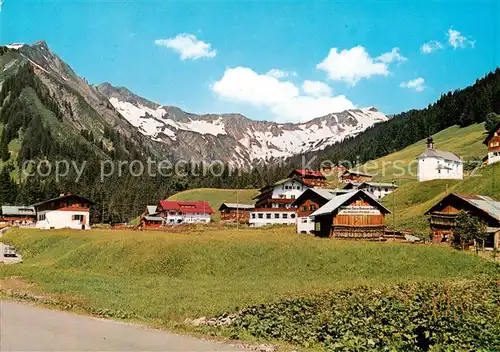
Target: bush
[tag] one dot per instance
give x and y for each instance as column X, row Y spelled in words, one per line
column 416, row 317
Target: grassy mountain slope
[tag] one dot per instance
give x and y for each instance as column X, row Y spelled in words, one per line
column 217, row 196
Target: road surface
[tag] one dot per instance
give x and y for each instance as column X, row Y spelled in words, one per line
column 30, row 328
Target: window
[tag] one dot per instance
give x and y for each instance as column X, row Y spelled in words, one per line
column 304, row 220
column 292, row 216
column 317, row 226
column 276, row 216
column 387, row 189
column 41, row 217
column 77, row 217
column 260, row 216
column 268, row 216
column 292, row 196
column 253, row 215
column 285, row 216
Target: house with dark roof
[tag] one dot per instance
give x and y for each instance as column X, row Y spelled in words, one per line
column 66, row 211
column 378, row 189
column 235, row 212
column 308, row 202
column 150, row 218
column 353, row 215
column 493, row 143
column 442, row 216
column 310, row 177
column 355, row 176
column 435, row 164
column 178, row 212
column 17, row 215
column 273, row 205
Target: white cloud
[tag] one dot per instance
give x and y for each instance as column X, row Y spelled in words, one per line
column 457, row 40
column 393, row 56
column 282, row 98
column 431, row 46
column 188, row 46
column 417, row 84
column 352, row 65
column 316, row 88
column 280, row 73
column 1, row 4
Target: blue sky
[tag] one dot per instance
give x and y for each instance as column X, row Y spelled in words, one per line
column 277, row 60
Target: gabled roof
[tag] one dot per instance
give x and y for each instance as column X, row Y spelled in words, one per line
column 354, row 185
column 307, row 172
column 340, row 200
column 353, row 172
column 486, row 204
column 324, row 193
column 151, row 209
column 280, row 182
column 436, row 153
column 236, row 206
column 18, row 210
column 491, row 134
column 187, row 207
column 65, row 197
column 153, row 218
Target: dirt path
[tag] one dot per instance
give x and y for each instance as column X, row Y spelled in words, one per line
column 29, row 328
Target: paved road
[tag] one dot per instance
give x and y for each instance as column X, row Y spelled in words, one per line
column 29, row 328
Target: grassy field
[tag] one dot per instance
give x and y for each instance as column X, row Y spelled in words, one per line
column 217, row 196
column 163, row 277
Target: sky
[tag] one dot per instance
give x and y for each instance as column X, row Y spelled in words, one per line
column 276, row 60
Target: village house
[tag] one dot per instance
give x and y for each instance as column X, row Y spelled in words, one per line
column 178, row 212
column 353, row 215
column 355, row 176
column 331, row 169
column 435, row 164
column 235, row 212
column 309, row 177
column 493, row 143
column 308, row 202
column 66, row 211
column 17, row 215
column 274, row 203
column 150, row 218
column 378, row 189
column 442, row 216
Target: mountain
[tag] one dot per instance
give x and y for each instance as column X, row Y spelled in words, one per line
column 234, row 138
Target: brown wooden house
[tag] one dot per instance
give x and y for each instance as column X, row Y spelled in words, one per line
column 151, row 219
column 309, row 177
column 442, row 216
column 310, row 201
column 353, row 215
column 355, row 176
column 235, row 212
column 493, row 143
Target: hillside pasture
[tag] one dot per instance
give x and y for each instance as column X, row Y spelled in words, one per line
column 166, row 277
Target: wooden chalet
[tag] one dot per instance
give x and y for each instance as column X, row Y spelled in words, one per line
column 309, row 177
column 235, row 212
column 442, row 216
column 66, row 211
column 355, row 176
column 353, row 215
column 280, row 194
column 308, row 202
column 17, row 215
column 151, row 218
column 493, row 143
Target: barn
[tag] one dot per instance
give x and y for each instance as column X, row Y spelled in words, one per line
column 443, row 214
column 353, row 215
column 233, row 212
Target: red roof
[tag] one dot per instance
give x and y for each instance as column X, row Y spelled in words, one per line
column 186, row 207
column 306, row 172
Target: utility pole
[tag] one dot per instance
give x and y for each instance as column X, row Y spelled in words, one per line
column 394, row 208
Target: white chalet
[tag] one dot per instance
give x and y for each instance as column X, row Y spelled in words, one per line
column 435, row 164
column 66, row 211
column 274, row 203
column 378, row 189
